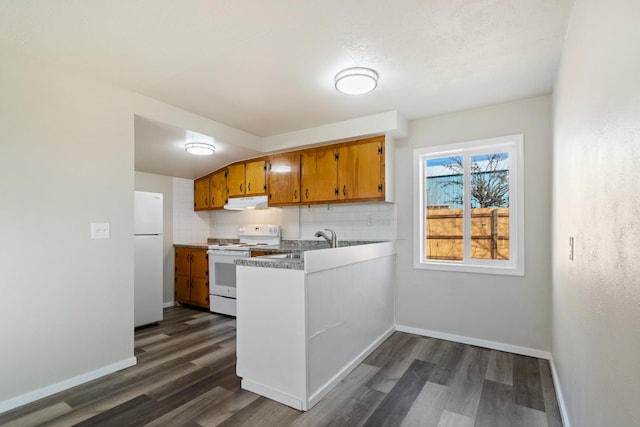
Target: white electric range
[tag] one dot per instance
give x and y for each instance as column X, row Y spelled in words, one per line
column 222, row 266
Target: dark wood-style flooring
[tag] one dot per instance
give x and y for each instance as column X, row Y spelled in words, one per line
column 185, row 376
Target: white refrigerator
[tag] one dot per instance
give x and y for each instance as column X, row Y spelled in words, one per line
column 148, row 258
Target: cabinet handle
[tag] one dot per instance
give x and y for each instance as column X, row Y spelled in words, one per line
column 249, row 187
column 306, row 193
column 241, row 188
column 295, row 194
column 344, row 190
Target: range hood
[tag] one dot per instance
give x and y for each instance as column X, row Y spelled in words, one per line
column 244, row 203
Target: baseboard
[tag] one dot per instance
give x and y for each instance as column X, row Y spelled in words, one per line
column 525, row 351
column 64, row 385
column 273, row 394
column 168, row 304
column 559, row 395
column 318, row 395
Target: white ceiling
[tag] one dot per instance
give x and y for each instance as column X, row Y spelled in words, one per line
column 267, row 66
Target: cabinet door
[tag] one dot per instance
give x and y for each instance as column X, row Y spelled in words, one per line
column 182, row 288
column 200, row 291
column 255, row 178
column 218, row 189
column 199, row 263
column 284, row 180
column 361, row 171
column 235, row 180
column 319, row 176
column 201, row 193
column 183, row 261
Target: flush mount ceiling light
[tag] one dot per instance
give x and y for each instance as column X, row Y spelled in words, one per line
column 199, row 148
column 356, row 80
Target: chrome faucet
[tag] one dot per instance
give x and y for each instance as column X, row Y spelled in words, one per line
column 333, row 240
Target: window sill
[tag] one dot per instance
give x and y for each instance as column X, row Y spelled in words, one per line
column 470, row 268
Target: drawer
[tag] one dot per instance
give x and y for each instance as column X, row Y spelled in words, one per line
column 224, row 291
column 222, row 305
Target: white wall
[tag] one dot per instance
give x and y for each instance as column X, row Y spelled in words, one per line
column 162, row 184
column 596, row 297
column 506, row 309
column 66, row 160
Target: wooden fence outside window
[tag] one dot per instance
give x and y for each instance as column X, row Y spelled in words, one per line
column 489, row 233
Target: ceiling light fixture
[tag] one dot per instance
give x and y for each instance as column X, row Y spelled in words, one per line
column 356, row 80
column 199, row 148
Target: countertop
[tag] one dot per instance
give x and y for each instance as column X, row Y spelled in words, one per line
column 204, row 245
column 295, row 247
column 287, row 246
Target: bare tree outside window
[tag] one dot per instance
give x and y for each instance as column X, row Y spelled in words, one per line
column 489, row 180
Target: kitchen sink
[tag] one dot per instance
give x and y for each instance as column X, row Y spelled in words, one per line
column 290, row 255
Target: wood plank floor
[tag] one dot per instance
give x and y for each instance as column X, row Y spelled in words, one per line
column 185, row 376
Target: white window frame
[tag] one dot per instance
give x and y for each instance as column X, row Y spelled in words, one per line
column 513, row 144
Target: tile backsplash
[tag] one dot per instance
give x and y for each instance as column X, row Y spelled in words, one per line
column 189, row 226
column 351, row 221
column 225, row 224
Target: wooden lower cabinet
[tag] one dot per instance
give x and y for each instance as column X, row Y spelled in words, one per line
column 191, row 284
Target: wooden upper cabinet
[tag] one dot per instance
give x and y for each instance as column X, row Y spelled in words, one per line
column 235, row 180
column 201, row 193
column 319, row 175
column 255, row 178
column 218, row 189
column 361, row 170
column 284, row 179
column 346, row 172
column 247, row 179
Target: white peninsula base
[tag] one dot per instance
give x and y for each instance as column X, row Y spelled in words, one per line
column 300, row 332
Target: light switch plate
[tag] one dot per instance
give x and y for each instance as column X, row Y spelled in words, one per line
column 100, row 230
column 570, row 248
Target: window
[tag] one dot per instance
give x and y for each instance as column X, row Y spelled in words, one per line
column 469, row 214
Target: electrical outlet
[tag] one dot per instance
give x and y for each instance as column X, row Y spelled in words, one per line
column 100, row 230
column 570, row 248
column 369, row 220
